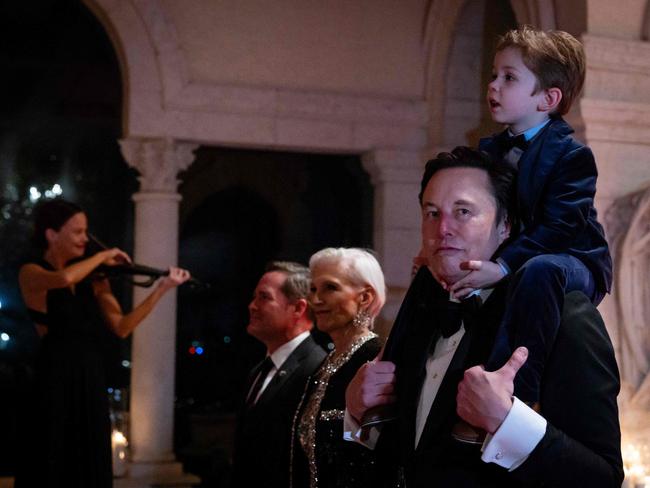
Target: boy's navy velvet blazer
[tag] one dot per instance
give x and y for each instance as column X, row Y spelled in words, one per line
column 556, row 186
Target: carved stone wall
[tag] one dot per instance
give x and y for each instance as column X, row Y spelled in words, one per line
column 628, row 221
column 616, row 113
column 396, row 130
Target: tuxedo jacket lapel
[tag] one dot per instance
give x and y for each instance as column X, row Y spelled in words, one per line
column 407, row 346
column 473, row 349
column 415, row 354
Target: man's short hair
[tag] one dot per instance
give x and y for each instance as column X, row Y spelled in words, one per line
column 502, row 178
column 555, row 57
column 296, row 285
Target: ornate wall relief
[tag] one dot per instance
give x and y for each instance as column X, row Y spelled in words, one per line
column 628, row 223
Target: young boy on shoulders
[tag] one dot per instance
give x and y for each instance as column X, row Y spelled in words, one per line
column 536, row 77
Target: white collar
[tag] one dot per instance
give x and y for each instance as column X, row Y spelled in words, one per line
column 281, row 354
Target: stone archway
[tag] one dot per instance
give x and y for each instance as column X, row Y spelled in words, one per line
column 167, row 114
column 645, row 29
column 440, row 35
column 149, row 57
column 539, row 13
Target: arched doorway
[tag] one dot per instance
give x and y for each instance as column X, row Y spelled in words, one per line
column 240, row 210
column 60, row 116
column 466, row 118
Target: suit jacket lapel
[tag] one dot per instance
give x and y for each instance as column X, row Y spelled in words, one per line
column 284, row 373
column 535, row 165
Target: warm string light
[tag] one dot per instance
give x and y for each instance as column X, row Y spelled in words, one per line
column 636, row 464
column 119, row 445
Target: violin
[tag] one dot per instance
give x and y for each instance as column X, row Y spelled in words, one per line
column 132, row 270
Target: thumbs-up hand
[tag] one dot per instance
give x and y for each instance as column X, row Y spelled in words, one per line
column 485, row 398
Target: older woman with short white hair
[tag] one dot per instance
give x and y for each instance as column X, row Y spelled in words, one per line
column 347, row 293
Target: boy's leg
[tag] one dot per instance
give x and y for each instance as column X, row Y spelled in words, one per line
column 532, row 316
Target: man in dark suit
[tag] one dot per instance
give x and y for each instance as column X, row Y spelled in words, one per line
column 573, row 441
column 279, row 317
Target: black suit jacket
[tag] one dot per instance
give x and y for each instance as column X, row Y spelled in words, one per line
column 579, row 390
column 556, row 186
column 263, row 434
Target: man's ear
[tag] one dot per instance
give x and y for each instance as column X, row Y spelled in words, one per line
column 504, row 229
column 551, row 99
column 301, row 306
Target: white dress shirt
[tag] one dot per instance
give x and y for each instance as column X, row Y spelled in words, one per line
column 508, row 447
column 278, row 358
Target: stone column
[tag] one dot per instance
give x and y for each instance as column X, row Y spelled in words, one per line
column 395, row 175
column 154, row 341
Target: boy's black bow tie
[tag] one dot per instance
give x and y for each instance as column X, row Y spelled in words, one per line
column 507, row 142
column 455, row 313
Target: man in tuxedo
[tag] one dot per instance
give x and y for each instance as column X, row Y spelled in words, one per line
column 280, row 318
column 431, row 372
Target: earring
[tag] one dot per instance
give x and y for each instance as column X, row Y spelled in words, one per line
column 361, row 320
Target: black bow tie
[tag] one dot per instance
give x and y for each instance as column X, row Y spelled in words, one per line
column 507, row 142
column 454, row 314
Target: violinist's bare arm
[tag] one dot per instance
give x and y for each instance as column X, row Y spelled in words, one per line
column 122, row 325
column 34, row 279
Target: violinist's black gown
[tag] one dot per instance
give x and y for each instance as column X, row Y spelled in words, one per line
column 69, row 441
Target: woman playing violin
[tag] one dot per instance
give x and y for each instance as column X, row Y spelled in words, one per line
column 71, row 445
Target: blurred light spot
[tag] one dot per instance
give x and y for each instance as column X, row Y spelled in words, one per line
column 330, row 346
column 199, row 350
column 126, row 363
column 4, row 336
column 34, row 194
column 227, row 339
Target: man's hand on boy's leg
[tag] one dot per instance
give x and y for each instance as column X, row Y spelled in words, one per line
column 484, row 274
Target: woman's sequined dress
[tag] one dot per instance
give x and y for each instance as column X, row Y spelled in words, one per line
column 320, row 456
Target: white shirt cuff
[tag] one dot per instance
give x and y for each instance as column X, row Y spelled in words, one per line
column 516, row 438
column 504, row 266
column 353, row 432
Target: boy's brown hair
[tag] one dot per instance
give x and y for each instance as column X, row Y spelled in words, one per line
column 555, row 57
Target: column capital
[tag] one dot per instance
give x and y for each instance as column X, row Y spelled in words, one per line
column 158, row 161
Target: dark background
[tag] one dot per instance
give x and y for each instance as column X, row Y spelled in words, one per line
column 60, row 119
